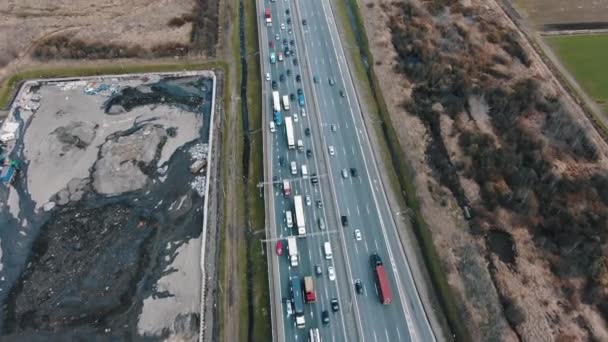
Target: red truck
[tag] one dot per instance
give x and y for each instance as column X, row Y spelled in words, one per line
column 382, row 283
column 309, row 290
column 286, row 188
column 268, row 17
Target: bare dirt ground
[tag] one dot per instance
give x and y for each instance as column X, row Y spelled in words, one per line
column 544, row 285
column 134, row 28
column 544, row 12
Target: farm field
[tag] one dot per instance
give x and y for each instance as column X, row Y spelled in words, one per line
column 585, row 56
column 545, row 12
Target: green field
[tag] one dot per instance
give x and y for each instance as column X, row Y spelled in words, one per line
column 586, row 56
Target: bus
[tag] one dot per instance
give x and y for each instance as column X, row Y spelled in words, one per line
column 291, row 143
column 297, row 200
column 298, row 302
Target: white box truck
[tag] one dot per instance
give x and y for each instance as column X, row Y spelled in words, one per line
column 293, row 251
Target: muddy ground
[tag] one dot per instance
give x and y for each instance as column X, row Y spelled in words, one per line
column 102, row 228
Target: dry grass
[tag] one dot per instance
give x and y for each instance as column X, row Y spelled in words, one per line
column 543, row 12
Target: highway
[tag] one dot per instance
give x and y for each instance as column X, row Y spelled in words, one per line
column 362, row 199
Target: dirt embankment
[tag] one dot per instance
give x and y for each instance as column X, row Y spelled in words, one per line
column 484, row 125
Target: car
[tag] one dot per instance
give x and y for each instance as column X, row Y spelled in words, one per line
column 334, row 127
column 319, row 204
column 315, row 79
column 288, row 72
column 285, row 41
column 292, row 97
column 331, row 273
column 353, row 172
column 287, row 11
column 289, row 308
column 325, row 317
column 304, row 22
column 308, row 153
column 341, row 93
column 318, row 270
column 295, row 61
column 335, row 307
column 307, row 131
column 295, row 117
column 280, row 56
column 282, row 26
column 274, row 85
column 344, row 173
column 281, row 161
column 275, row 179
column 358, row 235
column 332, row 81
column 331, row 150
column 344, row 220
column 282, row 78
column 267, row 76
column 289, row 31
column 359, row 286
column 298, row 78
column 314, row 179
column 273, row 127
column 287, row 52
column 308, row 201
column 288, row 21
column 321, row 224
column 300, row 92
column 271, row 44
column 292, row 42
column 277, row 37
column 279, row 248
column 303, row 112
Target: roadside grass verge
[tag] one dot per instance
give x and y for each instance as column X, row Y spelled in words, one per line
column 258, row 261
column 10, row 84
column 585, row 56
column 403, row 177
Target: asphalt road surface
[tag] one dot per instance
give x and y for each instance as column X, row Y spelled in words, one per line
column 361, row 198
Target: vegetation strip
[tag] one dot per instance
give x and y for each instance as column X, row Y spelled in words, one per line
column 406, row 181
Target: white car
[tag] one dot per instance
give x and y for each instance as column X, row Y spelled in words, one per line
column 289, row 310
column 308, row 201
column 282, row 26
column 331, row 273
column 358, row 235
column 295, row 117
column 331, row 150
column 277, row 37
column 303, row 112
column 294, row 168
column 272, row 127
column 344, row 173
column 267, row 76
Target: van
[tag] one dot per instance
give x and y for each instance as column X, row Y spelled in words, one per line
column 304, row 172
column 289, row 219
column 273, row 127
column 321, row 223
column 327, row 250
column 294, row 168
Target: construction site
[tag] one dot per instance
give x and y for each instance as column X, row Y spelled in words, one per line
column 103, row 207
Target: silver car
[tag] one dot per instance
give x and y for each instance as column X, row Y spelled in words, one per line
column 321, row 224
column 344, row 173
column 331, row 150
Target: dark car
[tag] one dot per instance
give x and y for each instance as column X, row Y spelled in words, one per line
column 274, row 85
column 292, row 42
column 271, row 44
column 281, row 161
column 344, row 221
column 288, row 21
column 318, row 270
column 282, row 78
column 314, row 179
column 285, row 41
column 308, row 153
column 332, row 81
column 319, row 204
column 287, row 11
column 353, row 172
column 275, row 181
column 288, row 72
column 342, row 93
column 300, row 91
column 359, row 286
column 292, row 97
column 298, row 78
column 295, row 61
column 307, row 131
column 325, row 317
column 287, row 52
column 335, row 307
column 304, row 22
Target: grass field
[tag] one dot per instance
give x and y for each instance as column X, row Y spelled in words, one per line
column 543, row 12
column 585, row 56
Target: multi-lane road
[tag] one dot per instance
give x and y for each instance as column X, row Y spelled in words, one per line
column 361, row 198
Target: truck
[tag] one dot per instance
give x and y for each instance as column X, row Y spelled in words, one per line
column 298, row 302
column 292, row 246
column 276, row 102
column 382, row 283
column 301, row 100
column 286, row 102
column 297, row 201
column 286, row 188
column 309, row 290
column 268, row 17
column 291, row 143
column 273, row 58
